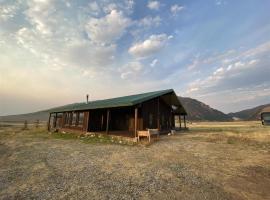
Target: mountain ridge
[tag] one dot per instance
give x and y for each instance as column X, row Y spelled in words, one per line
column 251, row 113
column 197, row 111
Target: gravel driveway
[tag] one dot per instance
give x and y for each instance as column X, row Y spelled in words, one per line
column 184, row 166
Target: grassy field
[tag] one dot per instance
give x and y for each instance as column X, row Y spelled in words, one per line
column 210, row 161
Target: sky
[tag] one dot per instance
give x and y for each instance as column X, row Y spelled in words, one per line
column 54, row 52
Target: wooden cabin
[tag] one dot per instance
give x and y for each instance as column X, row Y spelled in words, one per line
column 265, row 116
column 123, row 116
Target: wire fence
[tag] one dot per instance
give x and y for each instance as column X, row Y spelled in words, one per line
column 23, row 125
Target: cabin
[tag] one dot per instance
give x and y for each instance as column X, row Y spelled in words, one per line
column 122, row 116
column 265, row 116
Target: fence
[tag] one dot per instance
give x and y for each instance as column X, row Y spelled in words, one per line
column 23, row 125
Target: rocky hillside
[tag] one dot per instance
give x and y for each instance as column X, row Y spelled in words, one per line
column 250, row 114
column 198, row 111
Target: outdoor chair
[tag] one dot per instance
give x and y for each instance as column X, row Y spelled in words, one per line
column 148, row 133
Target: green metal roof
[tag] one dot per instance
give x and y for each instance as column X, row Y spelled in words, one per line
column 130, row 100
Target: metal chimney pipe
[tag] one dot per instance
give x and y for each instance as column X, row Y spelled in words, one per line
column 87, row 97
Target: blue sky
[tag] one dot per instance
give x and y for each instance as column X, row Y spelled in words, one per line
column 56, row 52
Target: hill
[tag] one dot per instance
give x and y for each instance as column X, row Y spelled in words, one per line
column 198, row 111
column 31, row 117
column 250, row 114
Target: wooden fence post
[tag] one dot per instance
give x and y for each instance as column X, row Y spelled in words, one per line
column 25, row 126
column 37, row 123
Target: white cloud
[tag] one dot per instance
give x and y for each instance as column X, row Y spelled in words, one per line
column 131, row 69
column 241, row 70
column 150, row 46
column 40, row 14
column 82, row 55
column 94, row 8
column 153, row 5
column 221, row 2
column 107, row 29
column 154, row 62
column 193, row 65
column 126, row 6
column 150, row 21
column 176, row 8
column 126, row 75
column 7, row 12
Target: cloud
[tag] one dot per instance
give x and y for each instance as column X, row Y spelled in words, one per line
column 176, row 9
column 7, row 12
column 221, row 2
column 149, row 21
column 107, row 29
column 193, row 65
column 150, row 46
column 82, row 55
column 154, row 62
column 39, row 14
column 131, row 69
column 153, row 5
column 94, row 8
column 243, row 74
column 238, row 74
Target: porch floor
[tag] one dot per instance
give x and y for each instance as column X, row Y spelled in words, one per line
column 129, row 134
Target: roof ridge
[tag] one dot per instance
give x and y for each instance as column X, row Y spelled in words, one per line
column 133, row 95
column 129, row 100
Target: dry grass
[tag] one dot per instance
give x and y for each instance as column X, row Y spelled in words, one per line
column 210, row 161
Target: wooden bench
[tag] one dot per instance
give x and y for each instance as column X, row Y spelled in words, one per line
column 148, row 133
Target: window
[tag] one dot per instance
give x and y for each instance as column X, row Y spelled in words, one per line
column 80, row 117
column 266, row 116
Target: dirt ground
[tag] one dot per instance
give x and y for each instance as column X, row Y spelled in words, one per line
column 210, row 161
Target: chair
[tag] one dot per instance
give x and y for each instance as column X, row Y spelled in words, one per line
column 148, row 133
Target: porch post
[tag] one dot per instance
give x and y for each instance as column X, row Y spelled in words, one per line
column 173, row 121
column 185, row 121
column 87, row 120
column 158, row 120
column 107, row 124
column 102, row 119
column 49, row 125
column 180, row 121
column 136, row 122
column 55, row 120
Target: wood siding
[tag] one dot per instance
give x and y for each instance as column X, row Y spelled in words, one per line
column 152, row 115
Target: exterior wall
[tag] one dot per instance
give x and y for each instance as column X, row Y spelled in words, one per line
column 97, row 120
column 120, row 119
column 149, row 114
column 152, row 115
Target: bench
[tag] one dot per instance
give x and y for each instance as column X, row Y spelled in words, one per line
column 148, row 133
